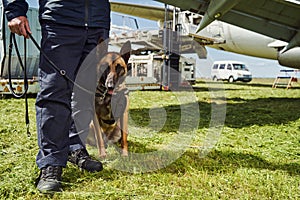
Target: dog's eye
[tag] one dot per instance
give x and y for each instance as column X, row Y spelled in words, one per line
column 104, row 73
column 120, row 70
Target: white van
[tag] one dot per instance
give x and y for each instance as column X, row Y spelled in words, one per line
column 230, row 71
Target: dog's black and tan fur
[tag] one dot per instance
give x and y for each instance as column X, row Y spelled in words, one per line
column 111, row 101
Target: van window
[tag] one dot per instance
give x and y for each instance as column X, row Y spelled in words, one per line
column 222, row 66
column 240, row 67
column 215, row 66
column 229, row 67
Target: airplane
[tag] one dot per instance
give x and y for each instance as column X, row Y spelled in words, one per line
column 258, row 32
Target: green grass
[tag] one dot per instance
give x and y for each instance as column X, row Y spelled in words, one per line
column 257, row 156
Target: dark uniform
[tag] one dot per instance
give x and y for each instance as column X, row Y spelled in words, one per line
column 70, row 31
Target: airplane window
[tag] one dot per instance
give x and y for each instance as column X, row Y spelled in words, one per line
column 215, row 66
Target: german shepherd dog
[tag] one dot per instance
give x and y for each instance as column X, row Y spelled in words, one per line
column 110, row 122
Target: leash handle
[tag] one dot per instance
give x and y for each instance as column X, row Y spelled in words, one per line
column 13, row 42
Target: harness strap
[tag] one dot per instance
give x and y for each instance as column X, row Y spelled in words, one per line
column 118, row 101
column 101, row 91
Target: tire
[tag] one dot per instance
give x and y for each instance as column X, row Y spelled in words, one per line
column 230, row 79
column 214, row 78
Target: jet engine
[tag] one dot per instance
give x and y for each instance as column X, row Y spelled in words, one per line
column 290, row 58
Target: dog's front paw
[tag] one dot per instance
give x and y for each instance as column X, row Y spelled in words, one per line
column 102, row 153
column 124, row 153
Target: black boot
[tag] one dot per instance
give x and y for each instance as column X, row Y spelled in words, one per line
column 81, row 158
column 49, row 179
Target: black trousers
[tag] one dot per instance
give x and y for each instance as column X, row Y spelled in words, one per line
column 72, row 49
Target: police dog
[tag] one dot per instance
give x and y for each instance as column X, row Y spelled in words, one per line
column 110, row 122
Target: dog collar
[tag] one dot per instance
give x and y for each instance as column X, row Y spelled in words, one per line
column 101, row 91
column 109, row 121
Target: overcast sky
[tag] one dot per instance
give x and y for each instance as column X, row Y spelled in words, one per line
column 258, row 67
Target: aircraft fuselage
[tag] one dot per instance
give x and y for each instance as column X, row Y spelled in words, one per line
column 242, row 41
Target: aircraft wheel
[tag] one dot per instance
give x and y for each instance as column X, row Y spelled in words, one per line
column 215, row 78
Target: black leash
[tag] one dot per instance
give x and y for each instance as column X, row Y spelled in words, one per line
column 60, row 71
column 13, row 45
column 13, row 42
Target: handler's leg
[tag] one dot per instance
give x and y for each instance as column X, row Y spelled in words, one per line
column 63, row 45
column 83, row 99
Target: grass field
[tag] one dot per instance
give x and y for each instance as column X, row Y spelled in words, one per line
column 257, row 155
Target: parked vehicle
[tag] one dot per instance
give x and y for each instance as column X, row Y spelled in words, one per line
column 231, row 71
column 147, row 72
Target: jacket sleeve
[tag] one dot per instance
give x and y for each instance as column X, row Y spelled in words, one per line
column 15, row 8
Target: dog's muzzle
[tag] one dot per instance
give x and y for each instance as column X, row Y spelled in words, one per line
column 109, row 83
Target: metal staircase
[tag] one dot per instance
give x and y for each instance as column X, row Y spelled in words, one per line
column 286, row 78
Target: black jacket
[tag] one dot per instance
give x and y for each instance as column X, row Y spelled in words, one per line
column 91, row 13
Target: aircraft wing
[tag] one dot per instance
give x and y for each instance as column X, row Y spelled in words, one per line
column 158, row 14
column 278, row 19
column 143, row 11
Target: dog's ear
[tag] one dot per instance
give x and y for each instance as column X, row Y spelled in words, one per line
column 101, row 48
column 100, row 40
column 125, row 51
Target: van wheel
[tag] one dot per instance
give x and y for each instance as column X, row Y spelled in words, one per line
column 230, row 80
column 215, row 78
